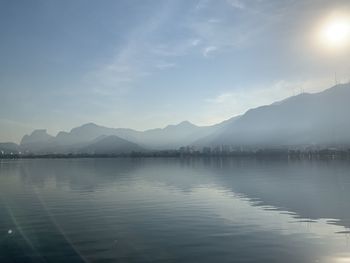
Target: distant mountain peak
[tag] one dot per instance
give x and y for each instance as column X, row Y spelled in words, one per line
column 89, row 125
column 306, row 119
column 39, row 132
column 183, row 124
column 111, row 145
column 186, row 123
column 36, row 136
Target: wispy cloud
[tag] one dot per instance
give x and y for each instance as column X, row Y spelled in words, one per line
column 200, row 33
column 208, row 50
column 136, row 59
column 215, row 22
column 219, row 30
column 195, row 42
column 236, row 4
column 201, row 4
column 165, row 65
column 175, row 49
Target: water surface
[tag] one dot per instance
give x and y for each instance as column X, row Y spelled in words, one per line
column 174, row 210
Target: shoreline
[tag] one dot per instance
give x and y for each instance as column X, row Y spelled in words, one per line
column 260, row 154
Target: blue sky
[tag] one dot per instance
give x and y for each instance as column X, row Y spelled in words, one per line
column 148, row 63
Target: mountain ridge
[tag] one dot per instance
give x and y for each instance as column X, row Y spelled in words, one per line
column 305, row 119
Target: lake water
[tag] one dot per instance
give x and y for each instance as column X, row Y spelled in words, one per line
column 174, row 210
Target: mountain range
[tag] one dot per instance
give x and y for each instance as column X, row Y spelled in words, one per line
column 318, row 119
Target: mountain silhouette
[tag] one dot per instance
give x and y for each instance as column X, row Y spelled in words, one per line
column 306, row 120
column 111, row 145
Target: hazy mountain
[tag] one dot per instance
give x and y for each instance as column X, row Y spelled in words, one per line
column 36, row 136
column 170, row 137
column 37, row 141
column 307, row 119
column 216, row 132
column 88, row 138
column 86, row 133
column 173, row 136
column 111, row 145
column 9, row 147
column 303, row 120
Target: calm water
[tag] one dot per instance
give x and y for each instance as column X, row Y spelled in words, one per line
column 171, row 210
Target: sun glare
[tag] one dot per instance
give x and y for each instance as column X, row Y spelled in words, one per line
column 335, row 32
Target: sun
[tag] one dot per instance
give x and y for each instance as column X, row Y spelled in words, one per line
column 335, row 32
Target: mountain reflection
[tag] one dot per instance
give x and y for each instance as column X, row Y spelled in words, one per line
column 269, row 206
column 308, row 189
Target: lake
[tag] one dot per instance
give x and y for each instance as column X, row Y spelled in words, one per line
column 174, row 210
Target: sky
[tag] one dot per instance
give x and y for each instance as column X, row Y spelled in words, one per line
column 148, row 63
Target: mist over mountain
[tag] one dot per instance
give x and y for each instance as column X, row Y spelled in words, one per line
column 92, row 138
column 111, row 145
column 305, row 120
column 174, row 136
column 170, row 137
column 9, row 147
column 36, row 136
column 36, row 141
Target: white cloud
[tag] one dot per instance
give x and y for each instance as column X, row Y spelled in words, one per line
column 132, row 61
column 222, row 34
column 141, row 54
column 201, row 4
column 195, row 42
column 208, row 50
column 180, row 47
column 236, row 4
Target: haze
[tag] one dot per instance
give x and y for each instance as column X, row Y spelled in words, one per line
column 147, row 64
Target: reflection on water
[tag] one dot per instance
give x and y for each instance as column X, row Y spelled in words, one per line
column 173, row 210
